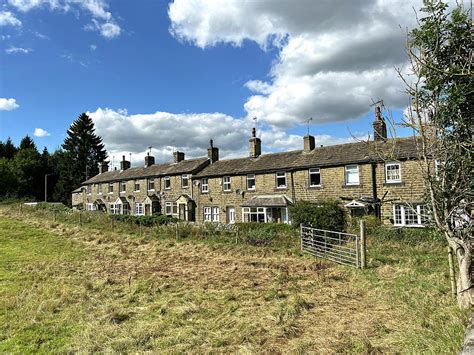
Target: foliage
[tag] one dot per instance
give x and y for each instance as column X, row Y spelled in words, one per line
column 8, row 180
column 324, row 214
column 79, row 158
column 440, row 54
column 146, row 221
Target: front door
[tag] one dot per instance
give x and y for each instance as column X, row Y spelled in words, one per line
column 182, row 211
column 230, row 215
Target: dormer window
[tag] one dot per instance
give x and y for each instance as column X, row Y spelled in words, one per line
column 281, row 180
column 167, row 183
column 393, row 173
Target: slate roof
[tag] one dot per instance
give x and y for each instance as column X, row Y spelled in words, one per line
column 185, row 166
column 334, row 155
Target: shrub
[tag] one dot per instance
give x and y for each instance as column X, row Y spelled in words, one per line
column 327, row 214
column 146, row 221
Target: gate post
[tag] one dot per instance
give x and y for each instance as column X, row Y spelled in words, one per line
column 363, row 260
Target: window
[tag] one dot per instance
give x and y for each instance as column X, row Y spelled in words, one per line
column 392, row 173
column 226, row 183
column 211, row 214
column 405, row 215
column 171, row 208
column 136, row 185
column 352, row 174
column 184, row 181
column 123, row 186
column 204, row 185
column 167, row 183
column 281, row 180
column 314, row 177
column 91, row 207
column 125, row 208
column 139, row 209
column 254, row 214
column 111, row 187
column 89, row 189
column 251, row 182
column 114, row 208
column 150, row 183
column 99, row 189
column 207, row 214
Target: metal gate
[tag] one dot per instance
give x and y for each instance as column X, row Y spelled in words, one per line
column 341, row 248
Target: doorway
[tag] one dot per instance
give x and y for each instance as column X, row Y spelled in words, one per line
column 231, row 215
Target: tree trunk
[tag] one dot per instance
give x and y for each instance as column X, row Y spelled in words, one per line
column 465, row 291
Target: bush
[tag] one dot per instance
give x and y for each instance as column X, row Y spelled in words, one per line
column 327, row 214
column 146, row 221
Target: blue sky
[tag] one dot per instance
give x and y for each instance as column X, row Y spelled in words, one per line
column 206, row 69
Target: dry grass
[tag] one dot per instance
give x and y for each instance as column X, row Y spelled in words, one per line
column 65, row 288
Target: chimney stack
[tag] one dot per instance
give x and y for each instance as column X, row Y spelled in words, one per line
column 309, row 143
column 178, row 156
column 212, row 152
column 124, row 164
column 149, row 160
column 380, row 127
column 103, row 167
column 255, row 145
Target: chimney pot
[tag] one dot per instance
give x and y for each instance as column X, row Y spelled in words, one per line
column 380, row 127
column 212, row 152
column 149, row 160
column 103, row 167
column 124, row 164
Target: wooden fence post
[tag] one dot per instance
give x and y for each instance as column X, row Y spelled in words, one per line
column 452, row 275
column 363, row 259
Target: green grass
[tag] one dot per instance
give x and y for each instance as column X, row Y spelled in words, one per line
column 65, row 288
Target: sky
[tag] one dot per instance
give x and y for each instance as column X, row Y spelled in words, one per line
column 173, row 75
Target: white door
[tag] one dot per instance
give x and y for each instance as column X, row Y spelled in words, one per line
column 231, row 215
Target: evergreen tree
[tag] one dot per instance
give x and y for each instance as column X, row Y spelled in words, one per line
column 79, row 158
column 8, row 180
column 27, row 143
column 2, row 150
column 9, row 149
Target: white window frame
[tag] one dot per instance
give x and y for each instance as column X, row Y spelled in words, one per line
column 314, row 171
column 226, row 183
column 215, row 214
column 403, row 210
column 184, row 177
column 123, row 186
column 204, row 185
column 393, row 181
column 114, row 208
column 280, row 174
column 139, row 209
column 150, row 184
column 136, row 183
column 167, row 180
column 350, row 169
column 207, row 214
column 248, row 212
column 171, row 208
column 111, row 188
column 91, row 207
column 251, row 177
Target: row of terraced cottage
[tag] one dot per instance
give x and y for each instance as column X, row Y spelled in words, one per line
column 262, row 187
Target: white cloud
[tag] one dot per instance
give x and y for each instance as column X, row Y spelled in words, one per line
column 8, row 104
column 8, row 19
column 102, row 19
column 92, row 47
column 40, row 132
column 334, row 56
column 165, row 132
column 18, row 50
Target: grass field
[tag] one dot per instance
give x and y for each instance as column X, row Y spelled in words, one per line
column 63, row 288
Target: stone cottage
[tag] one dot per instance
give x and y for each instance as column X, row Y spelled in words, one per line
column 262, row 187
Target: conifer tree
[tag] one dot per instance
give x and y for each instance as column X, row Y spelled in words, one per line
column 79, row 158
column 9, row 149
